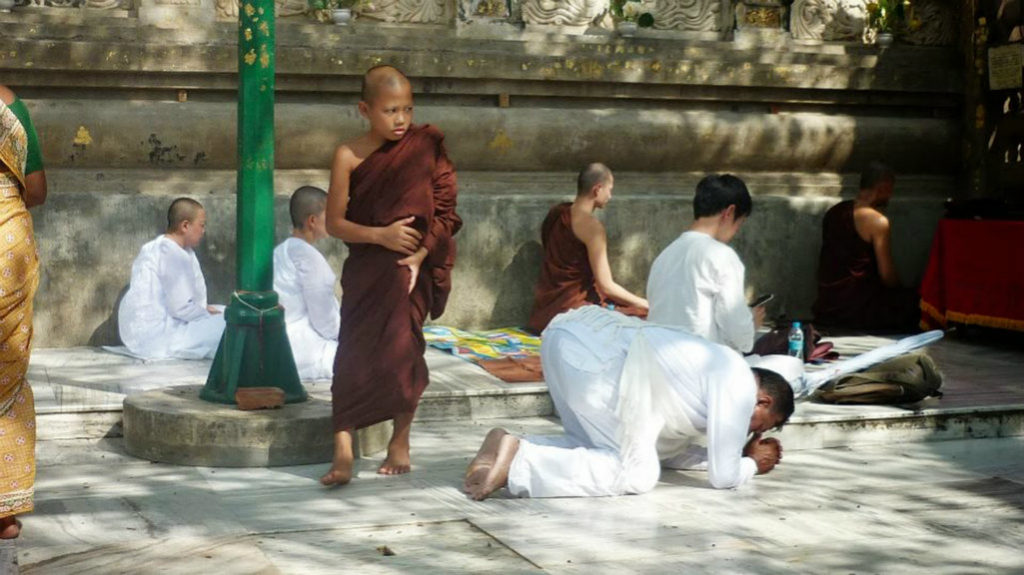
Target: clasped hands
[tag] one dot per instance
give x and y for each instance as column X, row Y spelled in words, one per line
column 765, row 452
column 401, row 237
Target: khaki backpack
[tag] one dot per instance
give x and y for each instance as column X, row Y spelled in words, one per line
column 906, row 379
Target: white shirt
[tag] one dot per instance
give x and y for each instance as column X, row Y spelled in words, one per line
column 696, row 283
column 304, row 283
column 167, row 294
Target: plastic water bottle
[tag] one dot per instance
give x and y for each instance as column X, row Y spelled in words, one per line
column 796, row 341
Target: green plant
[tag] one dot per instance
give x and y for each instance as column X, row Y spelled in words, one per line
column 318, row 5
column 639, row 11
column 890, row 16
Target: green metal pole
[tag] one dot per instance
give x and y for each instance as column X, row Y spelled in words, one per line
column 254, row 351
column 255, row 145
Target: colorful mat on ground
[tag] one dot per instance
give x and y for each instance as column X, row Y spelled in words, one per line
column 477, row 345
column 509, row 354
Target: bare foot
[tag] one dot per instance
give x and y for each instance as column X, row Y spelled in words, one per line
column 477, row 469
column 397, row 462
column 497, row 474
column 10, row 528
column 340, row 472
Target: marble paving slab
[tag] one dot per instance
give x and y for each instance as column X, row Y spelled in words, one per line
column 940, row 507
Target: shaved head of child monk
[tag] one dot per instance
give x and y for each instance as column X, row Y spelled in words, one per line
column 392, row 201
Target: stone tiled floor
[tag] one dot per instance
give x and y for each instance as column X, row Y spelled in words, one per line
column 937, row 507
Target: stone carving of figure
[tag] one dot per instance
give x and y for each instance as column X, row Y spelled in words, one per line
column 416, row 11
column 563, row 12
column 696, row 15
column 828, row 19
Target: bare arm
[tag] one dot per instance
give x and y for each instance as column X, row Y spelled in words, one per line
column 398, row 236
column 35, row 188
column 881, row 235
column 592, row 234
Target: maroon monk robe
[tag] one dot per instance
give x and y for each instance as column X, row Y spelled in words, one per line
column 850, row 290
column 566, row 280
column 379, row 370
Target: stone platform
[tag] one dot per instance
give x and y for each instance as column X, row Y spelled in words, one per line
column 173, row 425
column 80, row 391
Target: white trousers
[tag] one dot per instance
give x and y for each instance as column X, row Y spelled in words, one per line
column 585, row 461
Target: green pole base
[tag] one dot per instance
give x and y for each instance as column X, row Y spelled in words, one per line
column 254, row 351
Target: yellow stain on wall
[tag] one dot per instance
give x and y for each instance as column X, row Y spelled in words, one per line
column 249, row 10
column 82, row 137
column 264, row 28
column 501, row 142
column 264, row 57
column 250, row 57
column 248, row 34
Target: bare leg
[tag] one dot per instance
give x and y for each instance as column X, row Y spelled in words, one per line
column 340, row 472
column 398, row 461
column 476, row 471
column 10, row 527
column 497, row 474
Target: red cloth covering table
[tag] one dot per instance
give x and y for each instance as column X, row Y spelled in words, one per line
column 975, row 275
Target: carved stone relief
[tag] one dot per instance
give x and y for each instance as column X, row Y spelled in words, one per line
column 828, row 19
column 414, row 11
column 90, row 4
column 696, row 15
column 228, row 9
column 563, row 12
column 847, row 20
column 938, row 23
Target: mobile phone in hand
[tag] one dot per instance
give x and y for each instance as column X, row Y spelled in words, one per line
column 763, row 299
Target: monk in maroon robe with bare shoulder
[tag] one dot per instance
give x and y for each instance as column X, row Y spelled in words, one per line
column 858, row 287
column 392, row 200
column 576, row 270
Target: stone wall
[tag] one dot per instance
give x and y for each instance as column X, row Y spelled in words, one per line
column 131, row 116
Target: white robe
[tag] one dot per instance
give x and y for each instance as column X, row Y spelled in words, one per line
column 696, row 283
column 630, row 395
column 164, row 313
column 304, row 283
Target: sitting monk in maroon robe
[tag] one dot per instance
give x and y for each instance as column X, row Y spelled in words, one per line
column 392, row 200
column 857, row 283
column 576, row 270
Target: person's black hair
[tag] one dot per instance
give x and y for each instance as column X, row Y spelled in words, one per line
column 717, row 192
column 182, row 210
column 306, row 201
column 591, row 176
column 875, row 173
column 777, row 388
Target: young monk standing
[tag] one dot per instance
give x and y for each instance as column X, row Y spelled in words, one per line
column 392, row 200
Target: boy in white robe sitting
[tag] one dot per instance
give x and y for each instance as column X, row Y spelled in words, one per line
column 304, row 283
column 164, row 314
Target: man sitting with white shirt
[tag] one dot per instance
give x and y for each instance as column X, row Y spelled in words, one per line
column 696, row 283
column 633, row 396
column 164, row 314
column 304, row 283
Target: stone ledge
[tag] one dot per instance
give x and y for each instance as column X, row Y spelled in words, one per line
column 309, row 49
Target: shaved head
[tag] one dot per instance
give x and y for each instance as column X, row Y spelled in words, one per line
column 382, row 78
column 590, row 176
column 182, row 210
column 306, row 201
